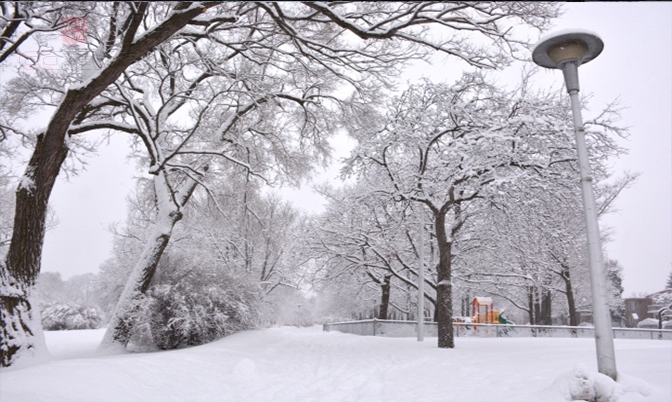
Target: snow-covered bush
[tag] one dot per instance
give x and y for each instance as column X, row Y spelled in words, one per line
column 664, row 299
column 650, row 323
column 581, row 385
column 203, row 306
column 66, row 316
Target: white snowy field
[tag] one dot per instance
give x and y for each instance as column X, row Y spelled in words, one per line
column 291, row 364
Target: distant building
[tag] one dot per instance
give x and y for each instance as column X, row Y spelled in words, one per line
column 660, row 301
column 636, row 310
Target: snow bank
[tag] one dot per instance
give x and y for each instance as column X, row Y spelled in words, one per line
column 582, row 384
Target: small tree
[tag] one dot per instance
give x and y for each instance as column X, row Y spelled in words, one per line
column 373, row 240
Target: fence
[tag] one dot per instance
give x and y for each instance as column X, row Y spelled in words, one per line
column 401, row 329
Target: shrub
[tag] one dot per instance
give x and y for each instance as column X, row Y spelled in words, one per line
column 67, row 316
column 201, row 307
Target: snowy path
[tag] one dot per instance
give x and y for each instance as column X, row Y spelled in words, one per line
column 290, row 364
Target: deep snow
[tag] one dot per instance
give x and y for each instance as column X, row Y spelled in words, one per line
column 291, row 364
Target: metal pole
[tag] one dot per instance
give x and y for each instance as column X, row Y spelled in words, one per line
column 604, row 337
column 421, row 276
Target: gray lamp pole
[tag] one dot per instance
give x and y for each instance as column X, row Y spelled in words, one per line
column 566, row 51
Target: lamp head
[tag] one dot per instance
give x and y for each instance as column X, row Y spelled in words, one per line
column 559, row 48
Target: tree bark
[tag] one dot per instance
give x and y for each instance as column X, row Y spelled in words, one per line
column 22, row 263
column 540, row 306
column 531, row 305
column 385, row 287
column 546, row 318
column 569, row 293
column 444, row 288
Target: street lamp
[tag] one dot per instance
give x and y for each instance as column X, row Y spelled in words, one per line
column 566, row 51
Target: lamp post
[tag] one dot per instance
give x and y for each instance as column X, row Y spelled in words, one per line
column 566, row 51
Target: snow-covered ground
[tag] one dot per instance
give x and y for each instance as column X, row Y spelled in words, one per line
column 291, row 364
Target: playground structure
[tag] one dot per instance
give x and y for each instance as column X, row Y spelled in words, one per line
column 483, row 312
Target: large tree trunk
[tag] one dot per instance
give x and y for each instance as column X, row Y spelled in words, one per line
column 18, row 329
column 385, row 288
column 546, row 318
column 21, row 327
column 120, row 328
column 444, row 288
column 465, row 309
column 531, row 305
column 540, row 306
column 20, row 324
column 569, row 293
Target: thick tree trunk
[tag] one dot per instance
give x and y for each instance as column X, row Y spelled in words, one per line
column 540, row 306
column 546, row 300
column 531, row 305
column 120, row 328
column 22, row 263
column 569, row 293
column 444, row 288
column 465, row 310
column 385, row 287
column 19, row 325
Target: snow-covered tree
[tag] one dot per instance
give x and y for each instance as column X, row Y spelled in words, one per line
column 457, row 150
column 374, row 241
column 243, row 241
column 25, row 27
column 615, row 293
column 538, row 240
column 198, row 304
column 132, row 30
column 69, row 316
column 128, row 243
column 70, row 304
column 370, row 36
column 6, row 201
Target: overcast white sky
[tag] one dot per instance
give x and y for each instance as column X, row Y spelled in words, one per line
column 635, row 66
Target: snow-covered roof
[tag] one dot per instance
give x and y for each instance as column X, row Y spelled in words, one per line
column 648, row 323
column 482, row 300
column 662, row 292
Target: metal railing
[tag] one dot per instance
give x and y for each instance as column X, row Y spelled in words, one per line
column 401, row 329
